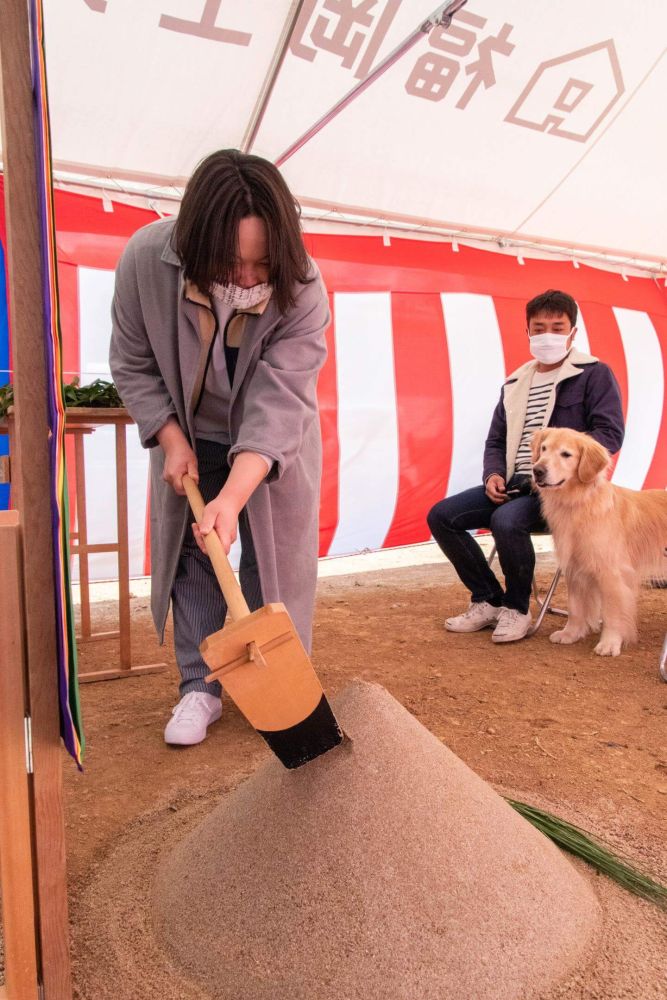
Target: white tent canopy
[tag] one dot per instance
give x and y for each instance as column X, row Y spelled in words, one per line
column 528, row 120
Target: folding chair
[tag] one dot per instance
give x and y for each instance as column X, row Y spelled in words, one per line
column 544, row 603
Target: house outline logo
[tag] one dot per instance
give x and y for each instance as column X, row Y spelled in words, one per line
column 564, row 95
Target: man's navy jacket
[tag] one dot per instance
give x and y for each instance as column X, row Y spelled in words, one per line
column 586, row 398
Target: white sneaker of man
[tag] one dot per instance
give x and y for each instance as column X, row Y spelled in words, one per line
column 512, row 625
column 191, row 718
column 479, row 615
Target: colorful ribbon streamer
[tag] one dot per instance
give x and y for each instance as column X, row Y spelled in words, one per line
column 70, row 709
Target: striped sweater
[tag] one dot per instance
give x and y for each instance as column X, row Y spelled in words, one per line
column 539, row 395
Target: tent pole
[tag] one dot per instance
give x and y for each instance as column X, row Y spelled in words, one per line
column 271, row 77
column 441, row 16
column 31, row 491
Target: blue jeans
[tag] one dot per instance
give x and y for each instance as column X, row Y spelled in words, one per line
column 511, row 524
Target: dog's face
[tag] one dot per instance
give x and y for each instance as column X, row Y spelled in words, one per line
column 562, row 457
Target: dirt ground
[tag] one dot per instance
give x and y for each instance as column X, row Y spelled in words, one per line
column 557, row 726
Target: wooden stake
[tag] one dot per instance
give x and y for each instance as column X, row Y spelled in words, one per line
column 16, row 864
column 33, row 482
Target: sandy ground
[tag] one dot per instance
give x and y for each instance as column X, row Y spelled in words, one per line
column 559, row 727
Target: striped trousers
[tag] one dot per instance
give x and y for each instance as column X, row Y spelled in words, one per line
column 198, row 606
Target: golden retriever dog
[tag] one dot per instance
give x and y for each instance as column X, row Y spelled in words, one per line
column 606, row 537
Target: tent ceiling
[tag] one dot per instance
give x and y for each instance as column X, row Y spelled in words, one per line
column 538, row 120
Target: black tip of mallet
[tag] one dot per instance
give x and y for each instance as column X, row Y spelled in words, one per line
column 310, row 738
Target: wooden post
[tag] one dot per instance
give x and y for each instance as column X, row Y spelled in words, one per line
column 33, row 481
column 16, row 863
column 123, row 549
column 82, row 531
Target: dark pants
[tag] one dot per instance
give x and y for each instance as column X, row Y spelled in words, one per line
column 197, row 602
column 511, row 524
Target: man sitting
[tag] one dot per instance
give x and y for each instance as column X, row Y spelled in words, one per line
column 561, row 388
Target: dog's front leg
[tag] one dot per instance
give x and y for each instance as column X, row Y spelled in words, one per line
column 577, row 618
column 610, row 644
column 619, row 613
column 566, row 636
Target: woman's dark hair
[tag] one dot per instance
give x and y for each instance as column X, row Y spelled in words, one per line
column 553, row 303
column 226, row 187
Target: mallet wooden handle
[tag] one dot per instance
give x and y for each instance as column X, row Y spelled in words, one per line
column 233, row 594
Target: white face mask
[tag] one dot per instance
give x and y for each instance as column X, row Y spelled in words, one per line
column 241, row 298
column 549, row 347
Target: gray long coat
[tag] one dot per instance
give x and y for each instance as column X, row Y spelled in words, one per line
column 163, row 328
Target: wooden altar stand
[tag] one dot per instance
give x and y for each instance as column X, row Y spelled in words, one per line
column 79, row 422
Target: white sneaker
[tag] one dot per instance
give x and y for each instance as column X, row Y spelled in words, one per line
column 479, row 615
column 512, row 625
column 191, row 718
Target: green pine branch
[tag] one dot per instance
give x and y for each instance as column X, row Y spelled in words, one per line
column 579, row 843
column 98, row 393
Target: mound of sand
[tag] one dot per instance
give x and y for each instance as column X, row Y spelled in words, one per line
column 385, row 869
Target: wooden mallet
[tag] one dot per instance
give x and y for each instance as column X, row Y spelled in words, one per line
column 262, row 665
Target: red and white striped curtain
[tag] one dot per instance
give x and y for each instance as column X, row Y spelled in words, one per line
column 420, row 342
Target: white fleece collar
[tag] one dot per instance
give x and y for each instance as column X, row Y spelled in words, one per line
column 574, row 358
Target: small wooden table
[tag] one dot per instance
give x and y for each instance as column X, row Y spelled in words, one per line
column 80, row 421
